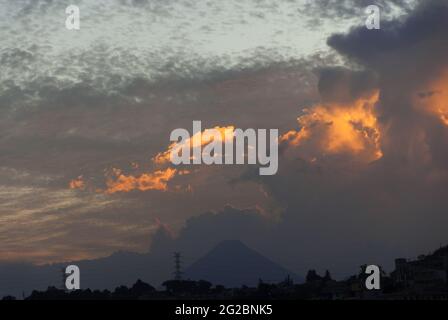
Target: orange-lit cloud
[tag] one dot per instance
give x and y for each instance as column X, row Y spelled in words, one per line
column 157, row 180
column 77, row 183
column 117, row 181
column 340, row 128
column 198, row 140
column 434, row 98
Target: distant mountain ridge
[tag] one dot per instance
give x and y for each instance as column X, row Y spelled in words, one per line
column 232, row 264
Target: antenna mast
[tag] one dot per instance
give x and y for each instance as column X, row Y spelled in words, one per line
column 177, row 266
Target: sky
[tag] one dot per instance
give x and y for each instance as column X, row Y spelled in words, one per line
column 86, row 117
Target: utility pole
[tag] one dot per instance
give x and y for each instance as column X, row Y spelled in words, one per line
column 445, row 264
column 177, row 266
column 64, row 278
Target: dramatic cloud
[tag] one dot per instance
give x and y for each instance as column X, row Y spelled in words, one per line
column 77, row 105
column 338, row 128
column 367, row 170
column 363, row 167
column 364, row 208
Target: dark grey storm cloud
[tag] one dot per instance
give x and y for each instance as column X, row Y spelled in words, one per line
column 377, row 210
column 342, row 85
column 406, row 56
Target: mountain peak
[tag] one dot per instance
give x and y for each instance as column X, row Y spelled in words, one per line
column 233, row 264
column 232, row 244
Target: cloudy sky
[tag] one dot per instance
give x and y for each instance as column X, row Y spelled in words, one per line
column 362, row 116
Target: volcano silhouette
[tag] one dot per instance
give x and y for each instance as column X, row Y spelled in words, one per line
column 232, row 264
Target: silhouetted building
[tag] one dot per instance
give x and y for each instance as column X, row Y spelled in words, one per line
column 426, row 277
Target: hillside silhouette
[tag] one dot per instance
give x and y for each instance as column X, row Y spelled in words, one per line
column 423, row 278
column 232, row 264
